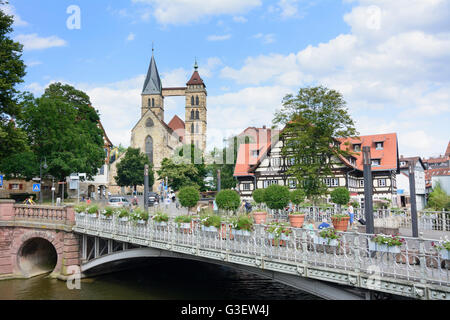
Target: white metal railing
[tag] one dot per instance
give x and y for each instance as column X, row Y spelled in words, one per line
column 416, row 260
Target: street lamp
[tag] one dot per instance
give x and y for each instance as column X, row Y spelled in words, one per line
column 40, row 178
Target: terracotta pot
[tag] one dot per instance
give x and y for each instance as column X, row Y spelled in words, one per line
column 296, row 220
column 340, row 224
column 260, row 217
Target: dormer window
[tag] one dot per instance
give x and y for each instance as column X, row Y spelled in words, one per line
column 379, row 145
column 376, row 162
column 255, row 153
column 357, row 147
column 403, row 164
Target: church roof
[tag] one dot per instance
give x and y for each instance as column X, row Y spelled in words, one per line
column 152, row 84
column 178, row 126
column 195, row 79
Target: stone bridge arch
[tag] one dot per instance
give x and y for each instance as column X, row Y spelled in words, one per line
column 314, row 287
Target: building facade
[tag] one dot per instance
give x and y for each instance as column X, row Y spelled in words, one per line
column 259, row 166
column 403, row 185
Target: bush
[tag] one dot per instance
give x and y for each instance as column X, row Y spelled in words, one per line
column 161, row 217
column 258, row 196
column 228, row 200
column 139, row 214
column 123, row 213
column 340, row 196
column 297, row 196
column 183, row 219
column 80, row 208
column 93, row 209
column 242, row 222
column 188, row 196
column 276, row 196
column 211, row 220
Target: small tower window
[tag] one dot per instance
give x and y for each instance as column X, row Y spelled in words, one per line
column 197, row 115
column 197, row 100
column 153, row 102
column 192, row 100
column 196, row 128
column 149, row 102
column 192, row 114
column 192, row 128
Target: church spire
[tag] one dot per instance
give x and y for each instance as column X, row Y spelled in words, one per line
column 152, row 84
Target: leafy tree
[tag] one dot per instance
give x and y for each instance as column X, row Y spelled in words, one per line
column 12, row 71
column 297, row 196
column 189, row 197
column 438, row 199
column 62, row 128
column 313, row 121
column 258, row 196
column 228, row 200
column 178, row 174
column 191, row 156
column 276, row 196
column 340, row 196
column 130, row 171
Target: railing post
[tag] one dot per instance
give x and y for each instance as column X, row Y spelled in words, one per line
column 356, row 245
column 444, row 221
column 422, row 258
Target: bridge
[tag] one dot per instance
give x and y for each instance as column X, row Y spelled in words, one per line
column 348, row 269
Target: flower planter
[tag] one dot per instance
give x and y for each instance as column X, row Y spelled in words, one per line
column 373, row 246
column 161, row 224
column 260, row 217
column 280, row 241
column 340, row 224
column 184, row 227
column 124, row 219
column 81, row 214
column 325, row 241
column 141, row 221
column 209, row 229
column 296, row 220
column 105, row 217
column 244, row 233
column 445, row 254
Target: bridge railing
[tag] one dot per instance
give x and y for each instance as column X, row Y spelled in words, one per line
column 415, row 260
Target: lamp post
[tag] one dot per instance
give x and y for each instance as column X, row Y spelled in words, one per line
column 368, row 190
column 412, row 193
column 40, row 178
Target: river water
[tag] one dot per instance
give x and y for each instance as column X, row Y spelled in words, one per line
column 162, row 280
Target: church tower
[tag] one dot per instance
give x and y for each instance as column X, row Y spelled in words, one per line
column 152, row 97
column 196, row 119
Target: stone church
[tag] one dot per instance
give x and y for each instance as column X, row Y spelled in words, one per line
column 158, row 139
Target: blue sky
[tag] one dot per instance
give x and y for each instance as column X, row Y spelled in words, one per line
column 390, row 59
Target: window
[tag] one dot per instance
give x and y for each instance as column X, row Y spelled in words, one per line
column 382, row 182
column 255, row 153
column 192, row 128
column 15, row 186
column 361, row 183
column 357, row 147
column 332, row 182
column 246, row 186
column 402, row 163
column 197, row 100
column 153, row 102
column 292, row 183
column 192, row 100
column 192, row 113
column 196, row 128
column 267, row 183
column 352, row 161
column 149, row 102
column 197, row 115
column 149, row 148
column 275, row 162
column 379, row 145
column 101, row 171
column 376, row 162
column 149, row 123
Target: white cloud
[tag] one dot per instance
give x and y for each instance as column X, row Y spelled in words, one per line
column 187, row 11
column 265, row 38
column 34, row 42
column 131, row 36
column 10, row 10
column 239, row 19
column 218, row 37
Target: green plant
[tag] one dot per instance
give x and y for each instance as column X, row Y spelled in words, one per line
column 183, row 219
column 340, row 216
column 108, row 211
column 93, row 209
column 80, row 208
column 242, row 222
column 124, row 213
column 297, row 213
column 340, row 196
column 258, row 196
column 160, row 217
column 388, row 240
column 139, row 214
column 188, row 196
column 355, row 204
column 211, row 220
column 330, row 234
column 276, row 196
column 297, row 196
column 228, row 200
column 279, row 228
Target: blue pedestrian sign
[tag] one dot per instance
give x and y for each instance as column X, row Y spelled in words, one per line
column 36, row 187
column 1, row 181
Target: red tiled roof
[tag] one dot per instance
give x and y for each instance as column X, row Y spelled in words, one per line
column 388, row 155
column 177, row 125
column 195, row 79
column 245, row 158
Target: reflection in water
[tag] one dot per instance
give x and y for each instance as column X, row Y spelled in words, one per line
column 162, row 279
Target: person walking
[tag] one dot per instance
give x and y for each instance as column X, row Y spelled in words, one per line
column 351, row 213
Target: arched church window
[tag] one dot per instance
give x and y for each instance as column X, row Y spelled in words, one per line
column 192, row 128
column 149, row 148
column 192, row 114
column 149, row 102
column 197, row 115
column 153, row 102
column 192, row 100
column 149, row 123
column 197, row 100
column 196, row 128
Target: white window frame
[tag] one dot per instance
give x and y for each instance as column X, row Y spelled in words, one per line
column 13, row 186
column 380, row 184
column 377, row 147
column 376, row 165
column 361, row 183
column 246, row 186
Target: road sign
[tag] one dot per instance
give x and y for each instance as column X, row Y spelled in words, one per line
column 36, row 187
column 1, row 181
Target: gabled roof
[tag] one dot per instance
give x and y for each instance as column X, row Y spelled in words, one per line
column 152, row 83
column 178, row 126
column 195, row 79
column 246, row 159
column 410, row 159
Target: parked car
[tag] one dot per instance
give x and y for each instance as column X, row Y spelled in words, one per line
column 118, row 202
column 153, row 198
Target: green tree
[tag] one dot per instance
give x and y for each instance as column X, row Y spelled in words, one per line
column 340, row 196
column 258, row 196
column 12, row 71
column 178, row 175
column 313, row 122
column 276, row 196
column 297, row 196
column 189, row 197
column 438, row 199
column 191, row 156
column 228, row 200
column 130, row 170
column 62, row 128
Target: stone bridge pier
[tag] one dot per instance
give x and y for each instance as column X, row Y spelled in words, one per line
column 36, row 240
